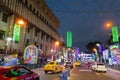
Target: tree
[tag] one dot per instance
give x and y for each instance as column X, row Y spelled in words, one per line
column 91, row 45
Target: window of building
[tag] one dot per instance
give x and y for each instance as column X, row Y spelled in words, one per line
column 38, row 2
column 26, row 2
column 40, row 16
column 27, row 42
column 28, row 30
column 30, row 7
column 42, row 8
column 41, row 46
column 37, row 13
column 34, row 10
column 4, row 17
column 2, row 34
column 35, row 33
column 35, row 43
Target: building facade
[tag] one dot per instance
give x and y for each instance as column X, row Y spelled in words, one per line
column 39, row 28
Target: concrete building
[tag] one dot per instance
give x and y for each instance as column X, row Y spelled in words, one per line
column 40, row 25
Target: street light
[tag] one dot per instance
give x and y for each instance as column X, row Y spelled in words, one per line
column 98, row 44
column 20, row 22
column 108, row 25
column 57, row 43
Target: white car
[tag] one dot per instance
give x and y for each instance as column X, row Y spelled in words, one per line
column 99, row 67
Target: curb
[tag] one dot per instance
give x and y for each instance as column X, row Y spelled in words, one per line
column 38, row 68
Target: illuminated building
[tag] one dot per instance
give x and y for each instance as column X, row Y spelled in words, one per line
column 40, row 26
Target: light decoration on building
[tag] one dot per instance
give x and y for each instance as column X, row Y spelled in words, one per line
column 30, row 54
column 115, row 34
column 95, row 50
column 115, row 53
column 69, row 39
column 16, row 32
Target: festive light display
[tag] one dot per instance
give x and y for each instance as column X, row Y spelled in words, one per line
column 69, row 39
column 16, row 33
column 115, row 34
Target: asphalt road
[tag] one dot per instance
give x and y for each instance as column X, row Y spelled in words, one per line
column 48, row 76
column 77, row 73
column 84, row 74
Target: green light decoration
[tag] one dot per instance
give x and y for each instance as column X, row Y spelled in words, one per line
column 115, row 34
column 69, row 39
column 96, row 53
column 16, row 33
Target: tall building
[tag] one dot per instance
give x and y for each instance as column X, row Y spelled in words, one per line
column 38, row 25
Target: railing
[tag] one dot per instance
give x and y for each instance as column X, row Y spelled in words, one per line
column 114, row 66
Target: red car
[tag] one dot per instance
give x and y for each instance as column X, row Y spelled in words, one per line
column 17, row 73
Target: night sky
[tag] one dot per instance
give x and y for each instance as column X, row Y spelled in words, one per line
column 86, row 18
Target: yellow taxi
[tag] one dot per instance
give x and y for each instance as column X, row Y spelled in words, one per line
column 77, row 63
column 52, row 66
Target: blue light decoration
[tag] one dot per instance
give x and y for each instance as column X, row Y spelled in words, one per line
column 77, row 53
column 100, row 49
column 30, row 54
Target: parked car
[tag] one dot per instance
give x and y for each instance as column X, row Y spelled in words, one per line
column 77, row 63
column 68, row 64
column 17, row 73
column 52, row 66
column 99, row 67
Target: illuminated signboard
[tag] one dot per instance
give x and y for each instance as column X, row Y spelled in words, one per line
column 115, row 53
column 69, row 39
column 16, row 33
column 30, row 54
column 115, row 34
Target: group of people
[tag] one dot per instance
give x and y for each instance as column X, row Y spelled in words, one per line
column 86, row 65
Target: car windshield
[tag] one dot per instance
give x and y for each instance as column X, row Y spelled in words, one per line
column 51, row 63
column 100, row 64
column 68, row 62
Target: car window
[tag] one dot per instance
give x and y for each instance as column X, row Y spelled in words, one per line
column 24, row 71
column 51, row 63
column 14, row 72
column 100, row 64
column 57, row 63
column 68, row 62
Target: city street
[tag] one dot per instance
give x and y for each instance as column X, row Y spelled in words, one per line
column 78, row 73
column 59, row 40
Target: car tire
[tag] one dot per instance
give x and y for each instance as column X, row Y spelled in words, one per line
column 105, row 71
column 45, row 72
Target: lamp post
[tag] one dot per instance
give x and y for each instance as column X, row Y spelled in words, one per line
column 7, row 44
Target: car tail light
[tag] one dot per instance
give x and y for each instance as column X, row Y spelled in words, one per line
column 14, row 79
